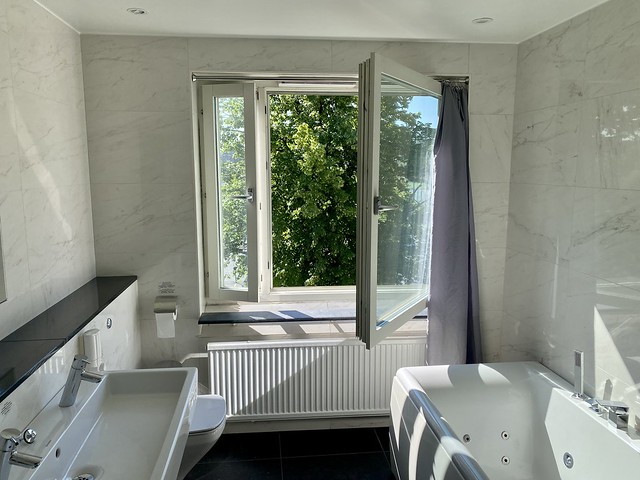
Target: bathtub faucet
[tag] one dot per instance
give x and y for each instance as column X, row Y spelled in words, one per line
column 617, row 413
column 578, row 374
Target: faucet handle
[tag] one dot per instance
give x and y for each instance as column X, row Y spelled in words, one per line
column 10, row 439
column 616, row 412
column 16, row 437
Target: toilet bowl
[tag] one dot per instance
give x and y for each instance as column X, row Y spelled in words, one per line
column 207, row 424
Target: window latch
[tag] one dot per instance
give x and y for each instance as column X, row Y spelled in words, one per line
column 378, row 208
column 248, row 197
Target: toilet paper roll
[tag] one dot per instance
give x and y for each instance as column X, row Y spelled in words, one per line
column 165, row 309
column 165, row 325
column 93, row 348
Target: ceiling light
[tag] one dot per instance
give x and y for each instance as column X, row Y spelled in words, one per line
column 482, row 20
column 137, row 11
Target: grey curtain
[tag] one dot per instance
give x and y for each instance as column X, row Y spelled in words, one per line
column 454, row 322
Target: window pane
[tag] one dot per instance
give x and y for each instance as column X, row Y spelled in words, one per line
column 313, row 143
column 232, row 191
column 408, row 121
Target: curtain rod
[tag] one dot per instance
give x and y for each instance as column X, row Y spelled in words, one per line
column 195, row 76
column 452, row 79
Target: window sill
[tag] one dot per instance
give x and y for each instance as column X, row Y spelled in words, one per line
column 302, row 320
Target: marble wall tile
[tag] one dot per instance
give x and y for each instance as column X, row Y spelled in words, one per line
column 9, row 165
column 492, row 70
column 59, row 236
column 255, row 55
column 543, row 232
column 551, row 66
column 136, row 73
column 154, row 269
column 48, row 65
column 610, row 142
column 491, row 262
column 44, row 175
column 424, row 57
column 613, row 46
column 140, row 147
column 144, row 218
column 14, row 244
column 491, row 330
column 605, row 232
column 545, row 146
column 52, row 142
column 490, row 138
column 491, row 207
column 29, row 16
column 4, row 23
column 9, row 160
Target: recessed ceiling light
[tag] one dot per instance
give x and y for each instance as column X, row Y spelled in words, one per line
column 137, row 11
column 482, row 20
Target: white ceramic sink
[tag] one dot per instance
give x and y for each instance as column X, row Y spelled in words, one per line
column 133, row 424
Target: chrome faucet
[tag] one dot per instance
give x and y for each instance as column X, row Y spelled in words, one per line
column 578, row 382
column 76, row 375
column 10, row 439
column 617, row 413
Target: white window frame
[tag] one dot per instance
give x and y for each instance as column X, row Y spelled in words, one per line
column 369, row 327
column 214, row 290
column 262, row 289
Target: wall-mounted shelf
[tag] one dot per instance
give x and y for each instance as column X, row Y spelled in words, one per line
column 30, row 346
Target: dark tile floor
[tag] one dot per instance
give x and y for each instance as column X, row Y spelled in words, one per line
column 347, row 454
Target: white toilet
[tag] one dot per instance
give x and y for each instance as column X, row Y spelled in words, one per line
column 209, row 418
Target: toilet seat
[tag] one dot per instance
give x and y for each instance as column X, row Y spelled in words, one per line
column 209, row 413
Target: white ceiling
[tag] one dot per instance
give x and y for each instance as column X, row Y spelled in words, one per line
column 445, row 20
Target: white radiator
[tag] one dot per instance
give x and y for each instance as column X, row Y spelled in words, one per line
column 266, row 380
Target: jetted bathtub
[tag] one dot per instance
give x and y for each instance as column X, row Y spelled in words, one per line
column 502, row 421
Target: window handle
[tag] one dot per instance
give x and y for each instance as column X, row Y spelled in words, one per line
column 248, row 197
column 378, row 208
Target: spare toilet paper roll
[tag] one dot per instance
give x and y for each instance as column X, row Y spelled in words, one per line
column 93, row 348
column 166, row 312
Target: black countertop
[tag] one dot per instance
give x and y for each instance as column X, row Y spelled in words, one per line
column 30, row 346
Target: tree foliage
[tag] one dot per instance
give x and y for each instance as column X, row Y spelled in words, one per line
column 313, row 189
column 313, row 144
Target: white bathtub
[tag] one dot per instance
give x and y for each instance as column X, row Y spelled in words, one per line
column 511, row 421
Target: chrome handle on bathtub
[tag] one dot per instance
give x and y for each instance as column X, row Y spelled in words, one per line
column 617, row 413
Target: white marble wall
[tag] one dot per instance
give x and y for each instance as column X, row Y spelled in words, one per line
column 45, row 203
column 138, row 99
column 572, row 277
column 120, row 349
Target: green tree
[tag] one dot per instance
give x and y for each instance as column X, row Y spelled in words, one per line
column 313, row 189
column 313, row 144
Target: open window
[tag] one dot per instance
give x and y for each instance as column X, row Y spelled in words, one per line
column 269, row 147
column 228, row 138
column 397, row 124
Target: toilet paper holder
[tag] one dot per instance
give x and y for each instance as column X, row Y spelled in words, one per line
column 166, row 304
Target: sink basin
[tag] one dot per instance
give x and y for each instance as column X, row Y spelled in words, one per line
column 133, row 424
